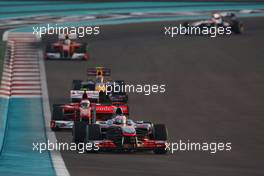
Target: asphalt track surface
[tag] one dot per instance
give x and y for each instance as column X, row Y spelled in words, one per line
column 214, row 93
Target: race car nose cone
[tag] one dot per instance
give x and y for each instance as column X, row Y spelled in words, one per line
column 128, row 131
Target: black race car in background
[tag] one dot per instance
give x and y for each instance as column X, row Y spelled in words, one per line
column 225, row 20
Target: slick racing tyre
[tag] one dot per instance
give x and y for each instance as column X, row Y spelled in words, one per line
column 50, row 49
column 76, row 84
column 103, row 98
column 57, row 113
column 237, row 27
column 79, row 132
column 185, row 24
column 82, row 49
column 115, row 134
column 160, row 133
column 93, row 132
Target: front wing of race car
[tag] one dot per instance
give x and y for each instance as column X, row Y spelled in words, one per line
column 61, row 124
column 53, row 56
column 109, row 145
column 75, row 56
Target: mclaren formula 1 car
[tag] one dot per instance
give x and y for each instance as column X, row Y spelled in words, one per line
column 225, row 20
column 96, row 88
column 66, row 48
column 122, row 134
column 64, row 115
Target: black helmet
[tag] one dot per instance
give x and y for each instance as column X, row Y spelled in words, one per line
column 118, row 111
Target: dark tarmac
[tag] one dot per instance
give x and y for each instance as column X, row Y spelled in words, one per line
column 214, row 93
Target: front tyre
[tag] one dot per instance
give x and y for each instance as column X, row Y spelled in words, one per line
column 79, row 132
column 160, row 132
column 93, row 133
column 160, row 151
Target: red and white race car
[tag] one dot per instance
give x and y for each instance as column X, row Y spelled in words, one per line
column 66, row 48
column 64, row 115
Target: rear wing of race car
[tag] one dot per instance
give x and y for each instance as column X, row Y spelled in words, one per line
column 99, row 71
column 71, row 36
column 105, row 112
column 110, row 109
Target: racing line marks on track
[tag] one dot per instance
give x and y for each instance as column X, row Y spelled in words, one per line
column 21, row 74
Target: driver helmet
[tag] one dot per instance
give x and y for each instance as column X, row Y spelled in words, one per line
column 67, row 40
column 216, row 16
column 120, row 120
column 118, row 111
column 85, row 104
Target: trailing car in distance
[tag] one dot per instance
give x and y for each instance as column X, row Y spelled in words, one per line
column 227, row 21
column 65, row 48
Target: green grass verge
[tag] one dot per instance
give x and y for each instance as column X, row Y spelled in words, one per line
column 2, row 55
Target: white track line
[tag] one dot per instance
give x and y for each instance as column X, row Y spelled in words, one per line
column 26, row 82
column 26, row 87
column 25, row 66
column 25, row 62
column 25, row 59
column 26, row 92
column 19, row 78
column 28, row 96
column 25, row 70
column 57, row 159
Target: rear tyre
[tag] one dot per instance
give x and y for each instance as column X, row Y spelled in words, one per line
column 160, row 151
column 82, row 49
column 50, row 49
column 102, row 97
column 79, row 132
column 76, row 84
column 57, row 114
